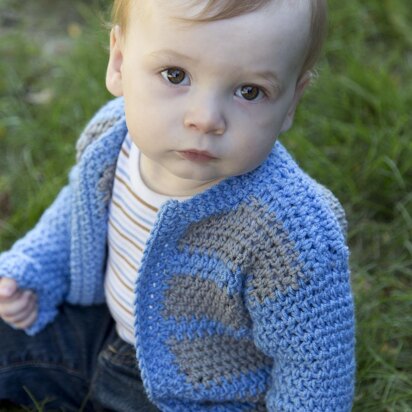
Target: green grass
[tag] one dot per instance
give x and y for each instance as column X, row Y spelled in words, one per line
column 352, row 133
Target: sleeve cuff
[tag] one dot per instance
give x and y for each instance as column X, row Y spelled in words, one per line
column 27, row 274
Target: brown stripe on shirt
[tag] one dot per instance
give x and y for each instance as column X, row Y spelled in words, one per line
column 124, row 236
column 121, row 256
column 119, row 206
column 139, row 199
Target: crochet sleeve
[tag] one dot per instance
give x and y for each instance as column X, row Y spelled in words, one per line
column 40, row 260
column 302, row 313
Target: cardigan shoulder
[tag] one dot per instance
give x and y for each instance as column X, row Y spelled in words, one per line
column 103, row 120
column 287, row 187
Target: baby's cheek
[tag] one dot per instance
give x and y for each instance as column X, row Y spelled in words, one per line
column 240, row 162
column 139, row 117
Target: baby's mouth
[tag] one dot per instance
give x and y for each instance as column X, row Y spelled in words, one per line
column 195, row 155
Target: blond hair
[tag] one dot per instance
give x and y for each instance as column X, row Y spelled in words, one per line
column 225, row 9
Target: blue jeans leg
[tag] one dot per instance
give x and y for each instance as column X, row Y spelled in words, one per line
column 77, row 361
column 58, row 362
column 117, row 385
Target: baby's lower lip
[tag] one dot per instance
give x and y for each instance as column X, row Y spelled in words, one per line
column 196, row 156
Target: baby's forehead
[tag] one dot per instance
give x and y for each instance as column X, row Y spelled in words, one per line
column 273, row 37
column 126, row 13
column 291, row 15
column 201, row 11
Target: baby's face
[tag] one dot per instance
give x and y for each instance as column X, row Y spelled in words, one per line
column 205, row 101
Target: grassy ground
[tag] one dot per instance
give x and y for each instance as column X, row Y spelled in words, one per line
column 352, row 133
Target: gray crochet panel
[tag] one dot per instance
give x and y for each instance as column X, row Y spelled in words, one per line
column 216, row 361
column 274, row 263
column 192, row 296
column 249, row 240
column 91, row 133
column 105, row 185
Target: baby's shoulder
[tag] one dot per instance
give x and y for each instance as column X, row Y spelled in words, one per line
column 293, row 195
column 101, row 122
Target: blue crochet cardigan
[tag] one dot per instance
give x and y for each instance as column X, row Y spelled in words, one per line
column 243, row 302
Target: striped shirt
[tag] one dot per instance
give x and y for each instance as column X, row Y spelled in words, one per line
column 132, row 213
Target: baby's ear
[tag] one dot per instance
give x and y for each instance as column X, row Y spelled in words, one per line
column 114, row 67
column 301, row 85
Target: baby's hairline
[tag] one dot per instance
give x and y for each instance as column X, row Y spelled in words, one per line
column 213, row 11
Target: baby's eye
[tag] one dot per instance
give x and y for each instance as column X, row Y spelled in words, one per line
column 175, row 75
column 249, row 92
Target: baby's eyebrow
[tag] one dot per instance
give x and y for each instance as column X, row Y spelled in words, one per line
column 169, row 53
column 269, row 76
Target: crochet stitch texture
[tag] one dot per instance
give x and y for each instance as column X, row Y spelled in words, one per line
column 243, row 300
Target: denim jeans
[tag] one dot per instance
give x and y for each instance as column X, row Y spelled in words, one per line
column 77, row 363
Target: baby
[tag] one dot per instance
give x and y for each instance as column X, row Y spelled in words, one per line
column 223, row 265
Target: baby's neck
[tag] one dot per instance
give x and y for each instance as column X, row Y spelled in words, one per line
column 161, row 181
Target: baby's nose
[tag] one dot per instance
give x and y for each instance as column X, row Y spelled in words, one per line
column 205, row 117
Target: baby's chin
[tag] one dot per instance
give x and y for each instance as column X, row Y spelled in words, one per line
column 189, row 182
